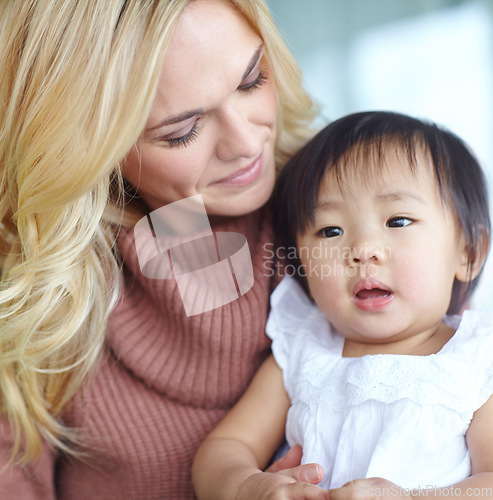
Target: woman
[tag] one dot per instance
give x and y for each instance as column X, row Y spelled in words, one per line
column 107, row 386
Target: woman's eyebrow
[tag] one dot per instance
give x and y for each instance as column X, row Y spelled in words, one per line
column 253, row 62
column 175, row 119
column 190, row 114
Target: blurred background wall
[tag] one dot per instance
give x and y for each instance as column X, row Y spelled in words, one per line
column 427, row 58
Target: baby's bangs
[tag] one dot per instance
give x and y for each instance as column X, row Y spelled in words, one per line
column 371, row 157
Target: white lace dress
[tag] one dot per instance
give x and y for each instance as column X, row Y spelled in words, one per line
column 400, row 417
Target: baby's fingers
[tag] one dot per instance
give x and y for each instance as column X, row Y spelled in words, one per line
column 369, row 488
column 347, row 492
column 299, row 491
column 305, row 491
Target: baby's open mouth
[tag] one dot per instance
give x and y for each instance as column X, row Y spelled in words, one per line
column 373, row 293
column 372, row 296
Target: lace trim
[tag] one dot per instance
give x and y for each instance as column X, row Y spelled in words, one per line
column 385, row 379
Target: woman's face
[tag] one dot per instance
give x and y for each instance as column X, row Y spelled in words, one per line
column 211, row 130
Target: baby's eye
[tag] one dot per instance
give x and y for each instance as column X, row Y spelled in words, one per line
column 331, row 232
column 399, row 222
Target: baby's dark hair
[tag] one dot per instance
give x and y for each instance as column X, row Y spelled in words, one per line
column 460, row 179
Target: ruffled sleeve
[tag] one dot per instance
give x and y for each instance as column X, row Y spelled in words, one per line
column 298, row 329
column 476, row 328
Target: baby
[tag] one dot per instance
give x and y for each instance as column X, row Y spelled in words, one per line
column 377, row 371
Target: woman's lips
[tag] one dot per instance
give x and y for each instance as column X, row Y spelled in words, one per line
column 243, row 176
column 372, row 296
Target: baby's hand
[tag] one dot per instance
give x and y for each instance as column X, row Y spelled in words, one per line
column 374, row 488
column 278, row 486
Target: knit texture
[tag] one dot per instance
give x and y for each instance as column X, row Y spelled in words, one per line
column 167, row 380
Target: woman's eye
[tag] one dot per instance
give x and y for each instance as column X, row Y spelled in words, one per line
column 331, row 232
column 252, row 83
column 399, row 222
column 183, row 140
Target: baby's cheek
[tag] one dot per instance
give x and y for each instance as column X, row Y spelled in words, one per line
column 416, row 277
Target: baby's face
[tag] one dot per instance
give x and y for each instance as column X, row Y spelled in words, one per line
column 383, row 251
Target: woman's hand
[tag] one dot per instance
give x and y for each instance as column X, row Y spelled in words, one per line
column 285, row 479
column 279, row 486
column 371, row 488
column 289, row 465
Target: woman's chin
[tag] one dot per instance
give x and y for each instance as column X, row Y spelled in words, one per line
column 241, row 204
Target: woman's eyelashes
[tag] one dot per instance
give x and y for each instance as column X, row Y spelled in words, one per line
column 191, row 135
column 184, row 140
column 255, row 84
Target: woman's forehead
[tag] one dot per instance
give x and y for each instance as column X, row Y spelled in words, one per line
column 209, row 52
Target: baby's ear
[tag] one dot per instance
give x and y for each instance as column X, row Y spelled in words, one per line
column 472, row 259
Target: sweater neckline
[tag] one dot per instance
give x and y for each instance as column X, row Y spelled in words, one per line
column 152, row 337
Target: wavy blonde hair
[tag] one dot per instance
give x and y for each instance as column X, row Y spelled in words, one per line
column 77, row 84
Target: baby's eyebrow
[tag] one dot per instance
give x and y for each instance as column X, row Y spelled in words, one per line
column 327, row 203
column 400, row 196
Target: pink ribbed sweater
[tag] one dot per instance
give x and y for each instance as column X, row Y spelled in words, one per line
column 167, row 381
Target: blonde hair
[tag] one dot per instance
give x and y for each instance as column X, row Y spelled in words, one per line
column 77, row 84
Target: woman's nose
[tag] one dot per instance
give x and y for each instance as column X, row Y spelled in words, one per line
column 238, row 137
